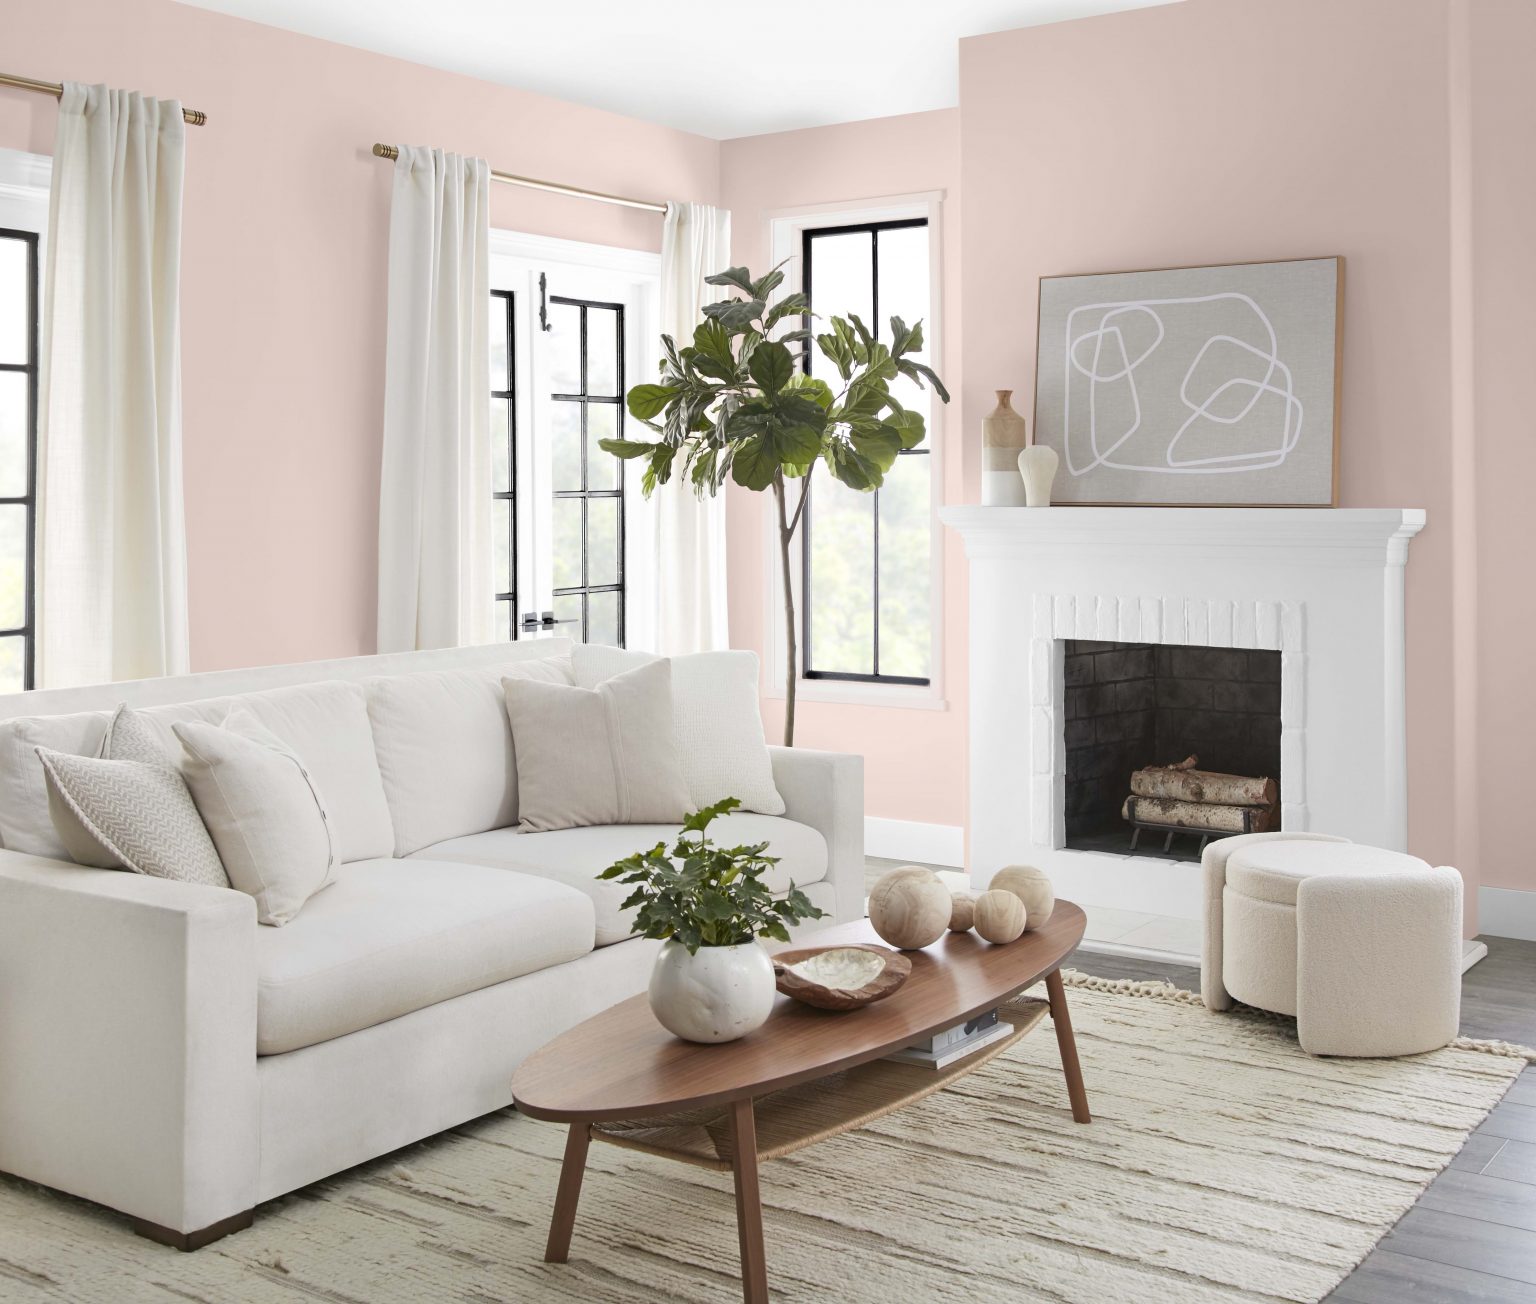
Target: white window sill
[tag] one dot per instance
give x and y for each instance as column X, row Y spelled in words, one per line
column 848, row 692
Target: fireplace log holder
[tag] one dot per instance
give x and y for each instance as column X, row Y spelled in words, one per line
column 1169, row 830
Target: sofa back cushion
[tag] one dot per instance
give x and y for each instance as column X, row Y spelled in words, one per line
column 445, row 749
column 325, row 723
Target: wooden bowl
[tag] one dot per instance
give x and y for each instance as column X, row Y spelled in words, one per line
column 840, row 977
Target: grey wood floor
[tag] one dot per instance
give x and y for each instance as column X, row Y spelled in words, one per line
column 1471, row 1238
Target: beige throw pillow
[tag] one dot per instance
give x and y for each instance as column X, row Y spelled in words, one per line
column 264, row 814
column 604, row 755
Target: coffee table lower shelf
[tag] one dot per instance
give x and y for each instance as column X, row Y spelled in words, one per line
column 800, row 1116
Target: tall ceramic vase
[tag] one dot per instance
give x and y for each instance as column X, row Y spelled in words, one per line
column 1003, row 435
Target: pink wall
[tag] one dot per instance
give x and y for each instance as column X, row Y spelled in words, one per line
column 914, row 759
column 283, row 274
column 1501, row 39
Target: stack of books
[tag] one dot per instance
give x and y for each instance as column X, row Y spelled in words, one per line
column 944, row 1048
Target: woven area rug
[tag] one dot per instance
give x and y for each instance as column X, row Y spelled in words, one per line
column 1223, row 1165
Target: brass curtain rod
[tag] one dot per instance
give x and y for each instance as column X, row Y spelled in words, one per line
column 194, row 117
column 390, row 151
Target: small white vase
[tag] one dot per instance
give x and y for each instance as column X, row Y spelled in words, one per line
column 1037, row 466
column 718, row 993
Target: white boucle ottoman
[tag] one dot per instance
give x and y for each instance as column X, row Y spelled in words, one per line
column 1362, row 945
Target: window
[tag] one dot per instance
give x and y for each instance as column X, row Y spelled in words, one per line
column 18, row 448
column 587, row 398
column 569, row 323
column 866, row 583
column 504, row 460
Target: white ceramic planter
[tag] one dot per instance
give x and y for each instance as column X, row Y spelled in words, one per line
column 719, row 993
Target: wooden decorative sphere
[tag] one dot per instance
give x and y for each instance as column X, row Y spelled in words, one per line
column 962, row 912
column 1032, row 887
column 1000, row 916
column 909, row 908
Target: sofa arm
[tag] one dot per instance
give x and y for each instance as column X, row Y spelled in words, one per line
column 826, row 791
column 128, row 1040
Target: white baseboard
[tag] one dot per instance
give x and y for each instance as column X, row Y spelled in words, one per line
column 928, row 844
column 1505, row 912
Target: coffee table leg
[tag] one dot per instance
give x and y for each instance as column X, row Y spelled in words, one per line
column 749, row 1204
column 558, row 1248
column 1068, row 1045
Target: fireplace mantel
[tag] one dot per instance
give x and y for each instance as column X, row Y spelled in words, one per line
column 1323, row 587
column 1296, row 533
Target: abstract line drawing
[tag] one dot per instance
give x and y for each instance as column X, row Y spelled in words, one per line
column 1239, row 383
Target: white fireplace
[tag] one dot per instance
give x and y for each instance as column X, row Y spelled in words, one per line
column 1322, row 587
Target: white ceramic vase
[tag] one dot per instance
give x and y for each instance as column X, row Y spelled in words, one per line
column 1037, row 468
column 718, row 993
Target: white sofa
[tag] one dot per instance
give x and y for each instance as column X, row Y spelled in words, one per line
column 162, row 1054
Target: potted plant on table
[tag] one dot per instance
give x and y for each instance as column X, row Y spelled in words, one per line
column 712, row 982
column 736, row 404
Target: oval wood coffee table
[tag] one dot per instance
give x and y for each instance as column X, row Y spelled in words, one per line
column 623, row 1078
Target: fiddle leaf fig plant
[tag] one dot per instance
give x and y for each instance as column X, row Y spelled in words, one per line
column 736, row 404
column 704, row 895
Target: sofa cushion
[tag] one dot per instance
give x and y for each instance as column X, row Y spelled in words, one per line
column 25, row 824
column 577, row 856
column 1273, row 871
column 392, row 936
column 445, row 748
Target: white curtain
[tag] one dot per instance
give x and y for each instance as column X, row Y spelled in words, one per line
column 111, row 531
column 437, row 580
column 690, row 531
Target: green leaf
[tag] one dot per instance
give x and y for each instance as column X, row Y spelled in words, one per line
column 818, row 390
column 761, row 289
column 852, row 468
column 646, row 401
column 789, row 305
column 700, row 819
column 879, row 446
column 659, row 469
column 909, row 426
column 736, row 315
column 838, row 352
column 712, row 341
column 754, row 464
column 771, row 365
column 738, row 277
column 797, row 445
column 625, row 448
column 919, row 372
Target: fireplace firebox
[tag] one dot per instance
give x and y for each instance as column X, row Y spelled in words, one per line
column 1127, row 706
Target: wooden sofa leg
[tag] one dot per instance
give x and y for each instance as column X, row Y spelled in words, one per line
column 188, row 1241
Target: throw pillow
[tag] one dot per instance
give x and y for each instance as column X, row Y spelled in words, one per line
column 605, row 755
column 715, row 711
column 129, row 814
column 264, row 814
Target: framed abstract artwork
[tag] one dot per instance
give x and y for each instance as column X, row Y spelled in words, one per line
column 1193, row 386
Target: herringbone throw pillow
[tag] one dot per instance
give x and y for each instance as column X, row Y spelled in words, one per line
column 129, row 815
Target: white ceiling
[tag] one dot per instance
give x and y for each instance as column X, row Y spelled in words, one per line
column 720, row 68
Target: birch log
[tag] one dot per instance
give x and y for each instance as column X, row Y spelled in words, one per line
column 1170, row 812
column 1179, row 784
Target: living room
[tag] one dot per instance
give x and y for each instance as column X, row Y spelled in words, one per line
column 466, row 469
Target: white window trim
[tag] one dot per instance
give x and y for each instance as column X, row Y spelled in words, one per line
column 515, row 255
column 784, row 232
column 25, row 180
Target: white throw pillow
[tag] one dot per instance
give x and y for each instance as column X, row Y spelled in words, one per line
column 130, row 814
column 605, row 755
column 719, row 725
column 263, row 812
column 445, row 749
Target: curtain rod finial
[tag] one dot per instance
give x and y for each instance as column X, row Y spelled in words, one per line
column 385, row 151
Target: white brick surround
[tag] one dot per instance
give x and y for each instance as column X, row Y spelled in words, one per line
column 1324, row 588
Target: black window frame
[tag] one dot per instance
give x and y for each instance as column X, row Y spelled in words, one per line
column 586, row 494
column 808, row 668
column 28, row 630
column 509, row 494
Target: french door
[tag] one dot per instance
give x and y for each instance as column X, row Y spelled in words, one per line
column 571, row 528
